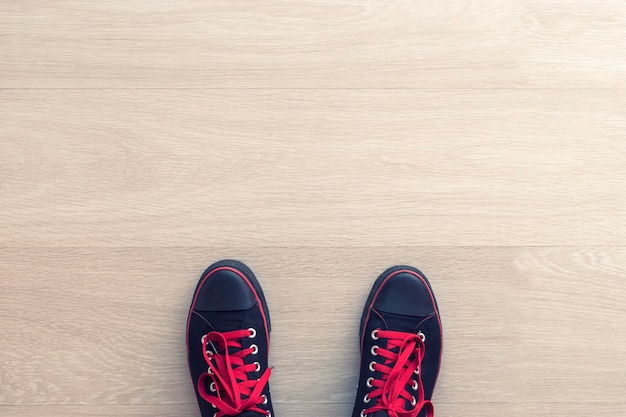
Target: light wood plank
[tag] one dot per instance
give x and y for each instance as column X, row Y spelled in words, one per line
column 106, row 326
column 574, row 43
column 320, row 142
column 312, row 44
column 313, row 408
column 241, row 167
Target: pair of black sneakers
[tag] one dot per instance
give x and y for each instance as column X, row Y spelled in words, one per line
column 228, row 332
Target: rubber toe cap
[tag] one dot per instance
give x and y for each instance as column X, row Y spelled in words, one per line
column 405, row 294
column 224, row 290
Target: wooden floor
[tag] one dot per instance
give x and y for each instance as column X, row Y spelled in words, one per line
column 319, row 142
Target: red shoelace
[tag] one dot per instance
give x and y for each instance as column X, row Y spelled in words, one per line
column 231, row 391
column 401, row 370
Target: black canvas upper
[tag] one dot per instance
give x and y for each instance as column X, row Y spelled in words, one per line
column 223, row 302
column 400, row 301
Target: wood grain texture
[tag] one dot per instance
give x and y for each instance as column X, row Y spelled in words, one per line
column 108, row 324
column 375, row 167
column 320, row 142
column 316, row 409
column 313, row 44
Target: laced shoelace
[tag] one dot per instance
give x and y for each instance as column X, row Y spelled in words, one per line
column 231, row 390
column 402, row 360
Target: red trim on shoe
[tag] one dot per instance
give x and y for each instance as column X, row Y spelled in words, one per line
column 229, row 372
column 373, row 301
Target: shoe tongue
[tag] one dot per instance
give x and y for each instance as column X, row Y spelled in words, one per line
column 225, row 321
column 400, row 323
column 251, row 414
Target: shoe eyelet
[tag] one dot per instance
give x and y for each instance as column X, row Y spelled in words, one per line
column 421, row 336
column 363, row 413
column 417, row 371
column 366, row 399
column 269, row 413
column 252, row 332
column 413, row 401
column 203, row 339
column 215, row 414
column 368, row 382
column 414, row 385
column 209, row 371
column 212, row 387
column 372, row 363
column 374, row 350
column 374, row 333
column 255, row 349
column 264, row 399
column 258, row 366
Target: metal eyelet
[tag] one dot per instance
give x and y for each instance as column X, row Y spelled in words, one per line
column 366, row 399
column 264, row 399
column 417, row 371
column 421, row 336
column 363, row 413
column 258, row 366
column 255, row 349
column 252, row 332
column 269, row 413
column 374, row 349
column 368, row 382
column 212, row 387
column 203, row 339
column 372, row 363
column 374, row 333
column 413, row 401
column 414, row 385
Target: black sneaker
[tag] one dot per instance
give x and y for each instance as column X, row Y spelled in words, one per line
column 400, row 347
column 228, row 332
